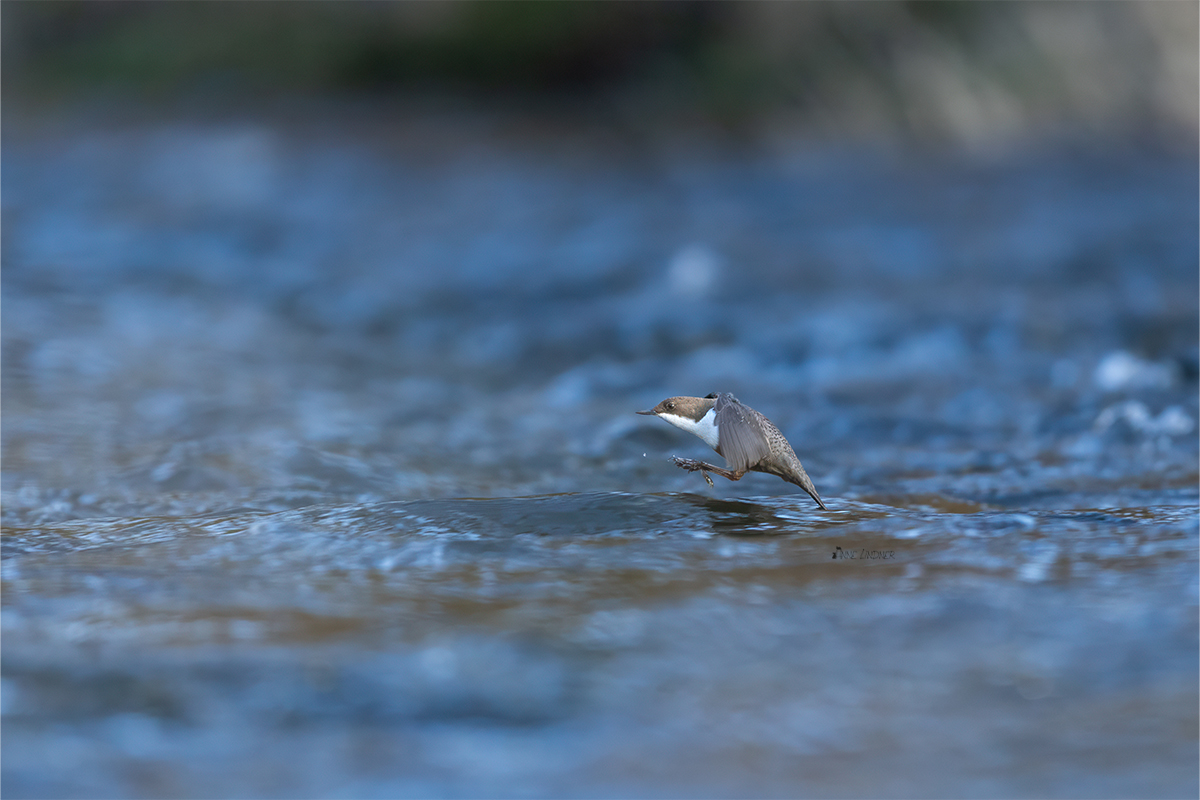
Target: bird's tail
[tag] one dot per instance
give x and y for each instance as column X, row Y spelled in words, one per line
column 806, row 484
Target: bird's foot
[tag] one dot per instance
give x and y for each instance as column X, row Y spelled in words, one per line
column 692, row 465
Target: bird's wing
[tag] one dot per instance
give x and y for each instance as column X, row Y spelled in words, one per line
column 742, row 443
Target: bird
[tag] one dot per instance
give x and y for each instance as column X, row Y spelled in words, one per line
column 747, row 440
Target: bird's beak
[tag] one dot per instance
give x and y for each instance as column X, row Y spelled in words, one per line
column 647, row 413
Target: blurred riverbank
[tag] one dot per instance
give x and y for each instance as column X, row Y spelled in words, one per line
column 981, row 75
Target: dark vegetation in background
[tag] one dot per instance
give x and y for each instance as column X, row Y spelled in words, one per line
column 929, row 69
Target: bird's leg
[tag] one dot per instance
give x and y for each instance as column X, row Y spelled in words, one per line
column 692, row 465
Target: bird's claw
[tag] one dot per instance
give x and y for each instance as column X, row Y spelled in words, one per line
column 693, row 466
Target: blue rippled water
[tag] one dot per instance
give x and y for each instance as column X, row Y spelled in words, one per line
column 321, row 475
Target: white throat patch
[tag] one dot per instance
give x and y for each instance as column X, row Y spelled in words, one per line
column 706, row 428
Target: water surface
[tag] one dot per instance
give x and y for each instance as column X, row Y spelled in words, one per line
column 321, row 475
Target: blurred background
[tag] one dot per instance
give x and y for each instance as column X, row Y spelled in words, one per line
column 323, row 326
column 979, row 74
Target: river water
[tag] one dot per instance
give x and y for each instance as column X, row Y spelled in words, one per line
column 321, row 475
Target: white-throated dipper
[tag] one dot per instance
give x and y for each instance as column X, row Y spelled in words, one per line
column 747, row 440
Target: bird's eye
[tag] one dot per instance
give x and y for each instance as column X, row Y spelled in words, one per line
column 670, row 406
